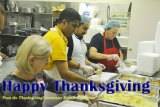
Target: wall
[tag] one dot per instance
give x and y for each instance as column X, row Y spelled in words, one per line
column 144, row 18
column 101, row 10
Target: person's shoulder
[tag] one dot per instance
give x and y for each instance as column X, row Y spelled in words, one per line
column 98, row 36
column 51, row 35
column 9, row 77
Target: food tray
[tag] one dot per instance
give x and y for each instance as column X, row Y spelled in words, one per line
column 133, row 78
column 154, row 91
column 154, row 82
column 104, row 77
column 128, row 99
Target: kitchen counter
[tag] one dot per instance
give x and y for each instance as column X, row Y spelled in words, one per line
column 7, row 67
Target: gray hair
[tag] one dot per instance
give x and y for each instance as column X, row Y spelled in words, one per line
column 33, row 45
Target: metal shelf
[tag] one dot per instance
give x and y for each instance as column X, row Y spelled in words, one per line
column 13, row 35
column 29, row 13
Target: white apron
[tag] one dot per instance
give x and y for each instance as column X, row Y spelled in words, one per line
column 78, row 54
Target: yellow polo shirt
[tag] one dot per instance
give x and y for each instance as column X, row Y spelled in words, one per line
column 58, row 43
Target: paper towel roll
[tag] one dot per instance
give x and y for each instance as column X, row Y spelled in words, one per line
column 157, row 39
column 146, row 46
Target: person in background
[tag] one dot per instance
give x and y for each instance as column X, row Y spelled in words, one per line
column 31, row 58
column 2, row 14
column 77, row 50
column 105, row 48
column 57, row 37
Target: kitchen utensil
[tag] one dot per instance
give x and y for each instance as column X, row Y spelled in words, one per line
column 11, row 4
column 12, row 27
column 26, row 10
column 16, row 9
column 39, row 9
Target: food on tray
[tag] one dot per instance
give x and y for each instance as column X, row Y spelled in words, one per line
column 133, row 78
column 153, row 93
column 82, row 97
column 98, row 71
column 128, row 99
column 155, row 83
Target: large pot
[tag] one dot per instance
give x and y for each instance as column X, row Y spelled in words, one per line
column 39, row 9
column 13, row 27
column 26, row 9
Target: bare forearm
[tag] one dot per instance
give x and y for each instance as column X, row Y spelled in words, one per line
column 94, row 54
column 98, row 56
column 121, row 55
column 62, row 67
column 73, row 64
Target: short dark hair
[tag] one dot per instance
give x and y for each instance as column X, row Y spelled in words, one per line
column 69, row 14
column 2, row 11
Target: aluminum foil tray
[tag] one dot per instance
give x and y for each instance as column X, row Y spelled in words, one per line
column 133, row 78
column 155, row 82
column 128, row 99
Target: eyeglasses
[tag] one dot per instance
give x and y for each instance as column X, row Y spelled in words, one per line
column 45, row 60
column 114, row 33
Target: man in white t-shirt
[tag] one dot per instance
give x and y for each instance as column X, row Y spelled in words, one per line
column 77, row 50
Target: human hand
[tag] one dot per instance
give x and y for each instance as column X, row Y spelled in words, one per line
column 98, row 71
column 89, row 96
column 93, row 98
column 88, row 70
column 120, row 64
column 113, row 57
column 98, row 66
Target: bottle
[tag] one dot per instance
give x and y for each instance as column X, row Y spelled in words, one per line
column 14, row 49
column 9, row 48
